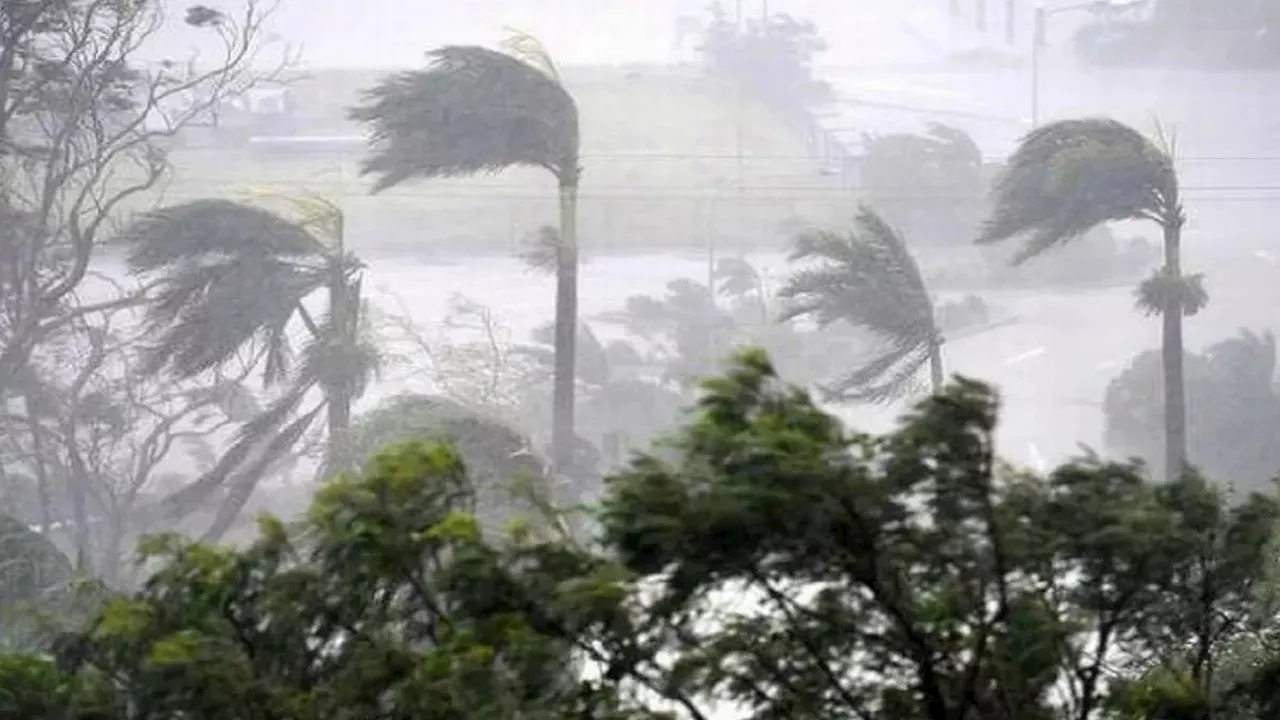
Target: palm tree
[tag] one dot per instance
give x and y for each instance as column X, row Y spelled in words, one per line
column 868, row 279
column 233, row 279
column 1066, row 178
column 476, row 110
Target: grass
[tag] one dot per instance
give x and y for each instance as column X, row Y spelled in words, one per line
column 660, row 157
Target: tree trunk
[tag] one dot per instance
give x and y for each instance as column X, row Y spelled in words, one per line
column 1175, row 403
column 343, row 324
column 937, row 377
column 566, row 330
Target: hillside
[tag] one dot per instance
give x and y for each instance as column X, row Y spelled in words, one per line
column 660, row 154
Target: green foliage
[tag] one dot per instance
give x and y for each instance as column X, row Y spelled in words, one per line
column 1233, row 400
column 384, row 603
column 868, row 279
column 910, row 576
column 765, row 558
column 497, row 458
column 230, row 273
column 473, row 110
column 1070, row 176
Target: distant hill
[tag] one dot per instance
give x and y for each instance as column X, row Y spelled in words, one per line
column 661, row 148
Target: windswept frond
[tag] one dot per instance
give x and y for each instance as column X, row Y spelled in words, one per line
column 251, row 438
column 528, row 49
column 473, row 110
column 892, row 374
column 869, row 279
column 203, row 229
column 318, row 215
column 260, row 463
column 202, row 314
column 1067, row 177
column 230, row 273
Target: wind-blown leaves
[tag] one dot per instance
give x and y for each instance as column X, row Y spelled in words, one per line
column 473, row 110
column 868, row 279
column 1067, row 177
column 230, row 274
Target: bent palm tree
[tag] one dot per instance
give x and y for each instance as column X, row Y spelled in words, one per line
column 476, row 110
column 1070, row 176
column 869, row 279
column 233, row 278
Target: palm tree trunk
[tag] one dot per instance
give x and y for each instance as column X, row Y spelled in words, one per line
column 1175, row 403
column 337, row 397
column 337, row 394
column 937, row 377
column 562, row 398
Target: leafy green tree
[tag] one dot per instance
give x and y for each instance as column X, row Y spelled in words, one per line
column 1231, row 386
column 1066, row 178
column 234, row 279
column 476, row 110
column 498, row 460
column 869, row 279
column 80, row 141
column 911, row 575
column 384, row 602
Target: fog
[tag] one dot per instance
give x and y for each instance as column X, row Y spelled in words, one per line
column 684, row 170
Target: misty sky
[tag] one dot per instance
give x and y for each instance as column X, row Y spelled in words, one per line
column 395, row 33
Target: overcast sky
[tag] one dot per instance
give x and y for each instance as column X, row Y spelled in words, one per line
column 395, row 33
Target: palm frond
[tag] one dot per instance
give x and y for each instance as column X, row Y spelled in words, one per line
column 343, row 356
column 891, row 375
column 528, row 49
column 473, row 110
column 203, row 229
column 1067, row 177
column 201, row 315
column 249, row 440
column 869, row 279
column 230, row 273
column 318, row 215
column 260, row 463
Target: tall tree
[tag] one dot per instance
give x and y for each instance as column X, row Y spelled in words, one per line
column 234, row 278
column 1066, row 178
column 83, row 128
column 869, row 279
column 476, row 110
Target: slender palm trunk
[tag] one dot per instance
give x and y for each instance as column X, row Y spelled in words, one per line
column 342, row 322
column 1175, row 403
column 566, row 324
column 937, row 377
column 337, row 398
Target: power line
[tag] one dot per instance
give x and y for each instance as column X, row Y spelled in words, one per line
column 769, row 193
column 640, row 156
